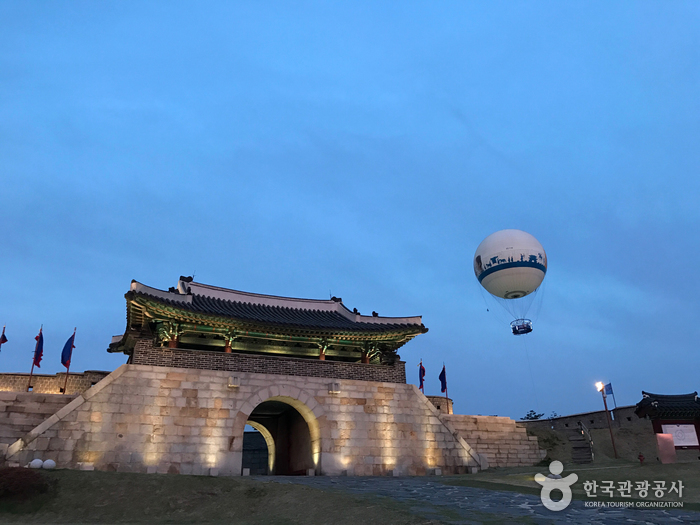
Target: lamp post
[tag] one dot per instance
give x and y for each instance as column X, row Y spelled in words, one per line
column 601, row 388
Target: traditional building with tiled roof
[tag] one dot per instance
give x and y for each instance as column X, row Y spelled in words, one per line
column 678, row 415
column 323, row 385
column 197, row 316
column 657, row 406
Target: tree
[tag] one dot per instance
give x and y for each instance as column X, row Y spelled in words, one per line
column 533, row 415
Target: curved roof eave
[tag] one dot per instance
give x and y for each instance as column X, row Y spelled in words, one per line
column 317, row 322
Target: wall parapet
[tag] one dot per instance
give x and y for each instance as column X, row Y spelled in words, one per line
column 146, row 354
column 621, row 417
column 78, row 382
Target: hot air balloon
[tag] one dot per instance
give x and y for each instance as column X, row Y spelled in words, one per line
column 510, row 265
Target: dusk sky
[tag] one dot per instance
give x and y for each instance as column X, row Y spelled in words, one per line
column 363, row 150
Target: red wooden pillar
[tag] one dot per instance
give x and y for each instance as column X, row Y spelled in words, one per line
column 365, row 357
column 322, row 353
column 227, row 349
column 173, row 342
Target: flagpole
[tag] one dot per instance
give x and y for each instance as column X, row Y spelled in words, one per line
column 31, row 372
column 65, row 385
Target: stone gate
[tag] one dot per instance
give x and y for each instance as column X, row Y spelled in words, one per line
column 324, row 386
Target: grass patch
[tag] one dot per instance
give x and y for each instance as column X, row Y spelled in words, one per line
column 114, row 497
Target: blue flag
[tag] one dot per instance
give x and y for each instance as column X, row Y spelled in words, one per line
column 443, row 380
column 608, row 389
column 39, row 349
column 421, row 374
column 68, row 351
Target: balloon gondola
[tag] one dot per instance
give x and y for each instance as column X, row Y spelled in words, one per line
column 511, row 265
column 521, row 326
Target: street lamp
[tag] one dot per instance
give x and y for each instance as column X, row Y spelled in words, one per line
column 601, row 388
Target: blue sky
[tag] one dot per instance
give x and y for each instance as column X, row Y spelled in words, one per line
column 363, row 149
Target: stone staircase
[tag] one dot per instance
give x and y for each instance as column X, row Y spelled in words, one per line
column 581, row 446
column 20, row 412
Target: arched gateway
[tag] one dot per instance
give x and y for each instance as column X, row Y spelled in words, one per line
column 288, row 426
column 323, row 384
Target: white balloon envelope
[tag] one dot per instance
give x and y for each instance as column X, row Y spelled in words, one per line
column 510, row 264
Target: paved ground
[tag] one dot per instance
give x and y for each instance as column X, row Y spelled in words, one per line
column 457, row 505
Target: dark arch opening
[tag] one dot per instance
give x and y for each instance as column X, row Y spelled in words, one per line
column 292, row 454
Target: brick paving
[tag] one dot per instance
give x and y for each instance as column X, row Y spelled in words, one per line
column 431, row 499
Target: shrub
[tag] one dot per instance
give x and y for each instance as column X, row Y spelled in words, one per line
column 21, row 483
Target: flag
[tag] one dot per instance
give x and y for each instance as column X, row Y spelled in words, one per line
column 608, row 389
column 39, row 350
column 443, row 380
column 421, row 374
column 68, row 351
column 3, row 339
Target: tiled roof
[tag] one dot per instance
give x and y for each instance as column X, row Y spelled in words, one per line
column 281, row 312
column 657, row 406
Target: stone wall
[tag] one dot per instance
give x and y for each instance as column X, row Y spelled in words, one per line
column 255, row 453
column 622, row 417
column 442, row 404
column 51, row 384
column 20, row 412
column 146, row 354
column 158, row 419
column 504, row 442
